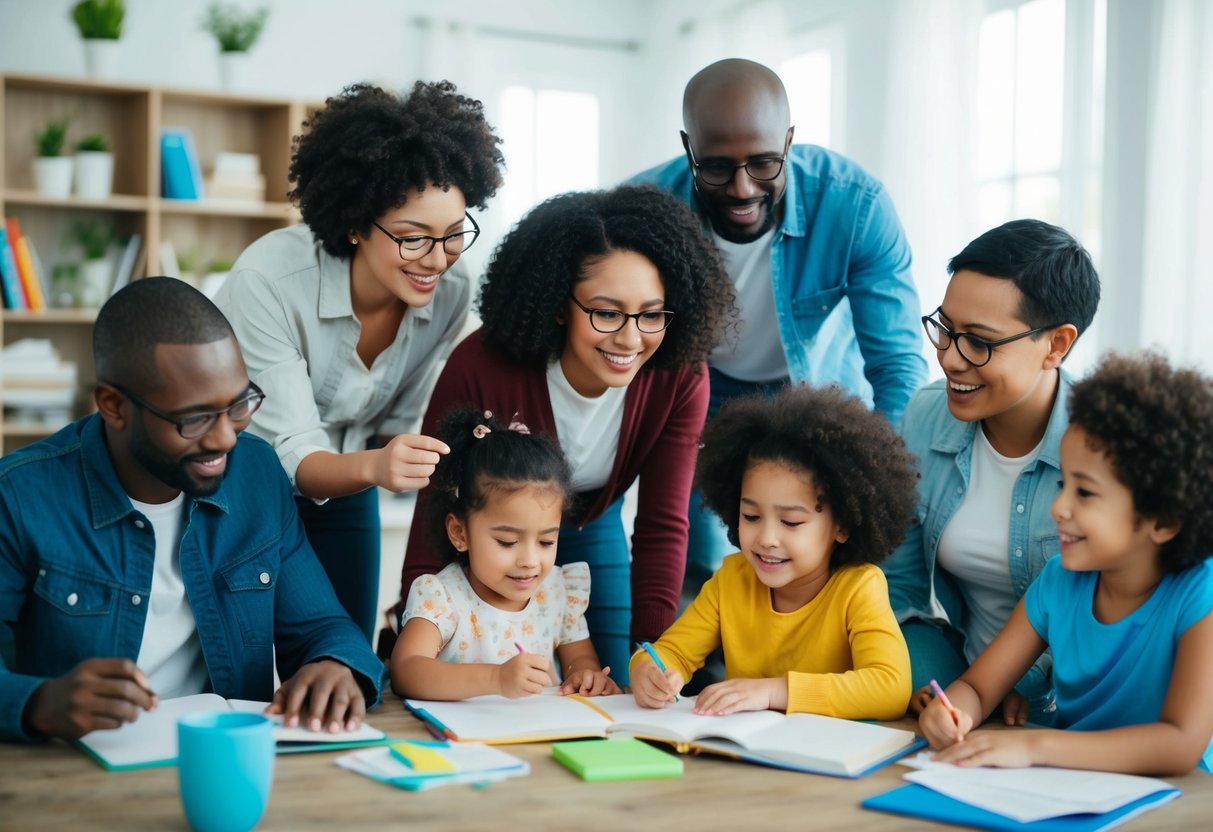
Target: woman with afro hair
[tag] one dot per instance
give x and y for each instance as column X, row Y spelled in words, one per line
column 344, row 320
column 599, row 310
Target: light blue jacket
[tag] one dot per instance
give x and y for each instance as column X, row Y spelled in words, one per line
column 845, row 300
column 944, row 447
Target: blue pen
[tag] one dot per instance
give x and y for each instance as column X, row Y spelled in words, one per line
column 648, row 648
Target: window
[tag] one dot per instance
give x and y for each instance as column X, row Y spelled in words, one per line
column 550, row 142
column 807, row 80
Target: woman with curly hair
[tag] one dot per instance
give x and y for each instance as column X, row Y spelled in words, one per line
column 1127, row 609
column 344, row 320
column 815, row 489
column 599, row 310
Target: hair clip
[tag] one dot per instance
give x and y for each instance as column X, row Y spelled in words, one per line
column 481, row 431
column 517, row 426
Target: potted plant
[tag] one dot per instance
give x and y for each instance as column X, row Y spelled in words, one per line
column 100, row 25
column 94, row 238
column 216, row 273
column 53, row 170
column 236, row 30
column 94, row 167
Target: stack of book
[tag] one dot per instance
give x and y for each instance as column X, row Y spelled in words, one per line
column 236, row 176
column 37, row 385
column 20, row 271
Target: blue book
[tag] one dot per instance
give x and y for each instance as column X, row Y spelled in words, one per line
column 181, row 175
column 917, row 801
column 10, row 278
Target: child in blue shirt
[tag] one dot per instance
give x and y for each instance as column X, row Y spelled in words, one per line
column 1126, row 608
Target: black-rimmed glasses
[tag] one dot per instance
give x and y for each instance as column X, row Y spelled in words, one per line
column 416, row 246
column 195, row 425
column 976, row 351
column 612, row 320
column 721, row 171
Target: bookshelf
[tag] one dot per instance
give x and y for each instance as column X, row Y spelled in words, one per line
column 131, row 117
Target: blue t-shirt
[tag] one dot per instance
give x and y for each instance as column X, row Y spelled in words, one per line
column 1114, row 675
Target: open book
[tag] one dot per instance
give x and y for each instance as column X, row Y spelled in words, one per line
column 799, row 742
column 151, row 740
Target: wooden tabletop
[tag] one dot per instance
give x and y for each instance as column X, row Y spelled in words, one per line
column 55, row 786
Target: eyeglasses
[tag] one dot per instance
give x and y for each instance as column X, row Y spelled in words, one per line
column 416, row 246
column 976, row 351
column 612, row 320
column 721, row 171
column 195, row 425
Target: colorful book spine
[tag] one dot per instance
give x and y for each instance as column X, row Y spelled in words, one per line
column 181, row 175
column 10, row 278
column 31, row 281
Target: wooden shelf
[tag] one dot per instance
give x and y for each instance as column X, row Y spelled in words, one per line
column 28, row 430
column 228, row 208
column 20, row 198
column 50, row 316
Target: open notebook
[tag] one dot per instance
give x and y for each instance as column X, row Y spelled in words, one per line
column 151, row 740
column 799, row 742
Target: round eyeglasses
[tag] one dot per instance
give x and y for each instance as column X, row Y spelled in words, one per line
column 197, row 424
column 416, row 246
column 612, row 320
column 976, row 351
column 722, row 171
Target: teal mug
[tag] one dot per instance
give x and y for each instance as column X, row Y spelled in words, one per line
column 225, row 765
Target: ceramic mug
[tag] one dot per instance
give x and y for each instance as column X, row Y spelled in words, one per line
column 225, row 765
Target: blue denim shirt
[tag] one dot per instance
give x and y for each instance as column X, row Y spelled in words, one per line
column 76, row 571
column 944, row 447
column 840, row 264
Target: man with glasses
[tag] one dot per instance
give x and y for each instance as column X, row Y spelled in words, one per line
column 987, row 438
column 150, row 550
column 814, row 248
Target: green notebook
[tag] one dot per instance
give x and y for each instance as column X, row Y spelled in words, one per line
column 622, row 759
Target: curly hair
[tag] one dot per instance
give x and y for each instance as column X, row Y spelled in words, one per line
column 1154, row 424
column 858, row 462
column 367, row 148
column 487, row 456
column 525, row 293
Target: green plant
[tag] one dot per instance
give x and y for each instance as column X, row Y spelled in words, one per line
column 94, row 237
column 235, row 29
column 50, row 140
column 99, row 19
column 93, row 142
column 219, row 266
column 188, row 258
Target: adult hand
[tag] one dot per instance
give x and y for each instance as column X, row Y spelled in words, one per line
column 653, row 689
column 590, row 683
column 95, row 694
column 735, row 695
column 406, row 462
column 322, row 696
column 523, row 675
column 1004, row 749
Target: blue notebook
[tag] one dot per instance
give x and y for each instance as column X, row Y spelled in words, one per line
column 917, row 801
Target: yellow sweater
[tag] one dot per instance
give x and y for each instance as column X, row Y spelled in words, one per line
column 843, row 652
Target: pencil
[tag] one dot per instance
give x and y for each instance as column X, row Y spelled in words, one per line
column 943, row 697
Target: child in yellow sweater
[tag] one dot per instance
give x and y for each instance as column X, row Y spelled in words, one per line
column 815, row 489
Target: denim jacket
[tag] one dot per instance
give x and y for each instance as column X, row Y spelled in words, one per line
column 840, row 264
column 76, row 572
column 944, row 447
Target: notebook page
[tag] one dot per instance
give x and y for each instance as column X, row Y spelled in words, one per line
column 489, row 718
column 152, row 738
column 300, row 733
column 851, row 745
column 676, row 721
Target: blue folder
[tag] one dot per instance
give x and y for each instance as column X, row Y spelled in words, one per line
column 917, row 801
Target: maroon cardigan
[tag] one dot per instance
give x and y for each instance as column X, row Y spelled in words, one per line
column 663, row 417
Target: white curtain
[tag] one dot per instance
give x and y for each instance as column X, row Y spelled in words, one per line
column 1177, row 272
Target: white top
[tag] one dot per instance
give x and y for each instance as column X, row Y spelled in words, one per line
column 473, row 630
column 757, row 353
column 588, row 428
column 289, row 302
column 973, row 546
column 170, row 653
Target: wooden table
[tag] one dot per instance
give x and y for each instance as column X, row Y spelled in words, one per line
column 55, row 786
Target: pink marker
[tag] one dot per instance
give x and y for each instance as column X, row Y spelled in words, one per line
column 943, row 697
column 519, row 646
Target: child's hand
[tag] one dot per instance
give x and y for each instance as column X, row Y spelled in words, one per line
column 1004, row 749
column 654, row 689
column 590, row 683
column 735, row 695
column 1015, row 709
column 523, row 675
column 941, row 730
column 919, row 701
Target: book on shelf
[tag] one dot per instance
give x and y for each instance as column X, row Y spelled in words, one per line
column 126, row 264
column 151, row 740
column 168, row 259
column 1021, row 799
column 31, row 279
column 420, row 766
column 10, row 278
column 236, row 176
column 181, row 174
column 798, row 742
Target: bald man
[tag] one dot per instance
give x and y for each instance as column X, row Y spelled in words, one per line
column 814, row 248
column 153, row 550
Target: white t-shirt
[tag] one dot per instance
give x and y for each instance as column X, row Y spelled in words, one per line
column 973, row 546
column 170, row 653
column 757, row 353
column 588, row 428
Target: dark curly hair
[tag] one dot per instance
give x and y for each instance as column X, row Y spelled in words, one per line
column 1154, row 423
column 858, row 462
column 525, row 293
column 500, row 461
column 367, row 147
